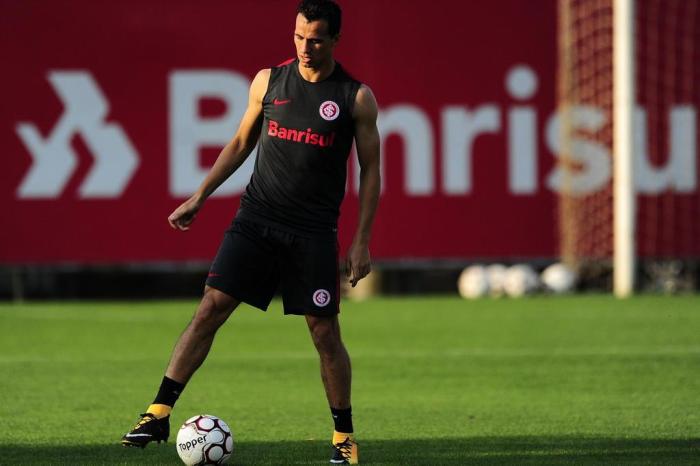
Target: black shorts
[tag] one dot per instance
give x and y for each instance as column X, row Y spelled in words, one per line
column 255, row 260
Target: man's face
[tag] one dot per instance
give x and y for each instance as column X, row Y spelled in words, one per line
column 314, row 45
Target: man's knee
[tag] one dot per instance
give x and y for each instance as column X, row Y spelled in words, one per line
column 325, row 334
column 214, row 308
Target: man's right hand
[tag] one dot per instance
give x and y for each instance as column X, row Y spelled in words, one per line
column 183, row 216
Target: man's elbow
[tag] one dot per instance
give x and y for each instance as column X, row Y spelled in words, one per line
column 370, row 169
column 370, row 176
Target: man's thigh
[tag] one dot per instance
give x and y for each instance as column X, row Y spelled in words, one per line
column 309, row 276
column 246, row 267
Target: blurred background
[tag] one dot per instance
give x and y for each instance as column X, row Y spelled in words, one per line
column 497, row 142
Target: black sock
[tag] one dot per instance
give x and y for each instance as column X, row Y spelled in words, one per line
column 343, row 420
column 169, row 392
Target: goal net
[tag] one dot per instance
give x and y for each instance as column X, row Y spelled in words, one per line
column 665, row 149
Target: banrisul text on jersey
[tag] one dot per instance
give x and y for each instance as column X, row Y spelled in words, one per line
column 306, row 136
column 307, row 132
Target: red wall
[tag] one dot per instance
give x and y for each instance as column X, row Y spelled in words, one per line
column 438, row 65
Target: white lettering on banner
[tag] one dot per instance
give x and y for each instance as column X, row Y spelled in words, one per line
column 413, row 126
column 189, row 132
column 460, row 128
column 53, row 158
column 593, row 158
column 521, row 83
column 680, row 173
column 587, row 168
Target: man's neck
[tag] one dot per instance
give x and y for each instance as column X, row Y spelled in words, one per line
column 315, row 75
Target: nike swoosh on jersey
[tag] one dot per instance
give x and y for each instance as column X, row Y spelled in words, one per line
column 281, row 102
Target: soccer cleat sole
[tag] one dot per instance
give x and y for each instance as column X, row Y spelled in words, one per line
column 129, row 443
column 126, row 443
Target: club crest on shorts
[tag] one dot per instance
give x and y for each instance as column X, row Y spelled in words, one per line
column 329, row 110
column 322, row 298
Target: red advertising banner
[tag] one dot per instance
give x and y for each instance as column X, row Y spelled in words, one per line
column 113, row 111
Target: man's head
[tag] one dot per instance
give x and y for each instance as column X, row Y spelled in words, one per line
column 316, row 31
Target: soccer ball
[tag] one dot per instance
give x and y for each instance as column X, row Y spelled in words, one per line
column 520, row 280
column 473, row 282
column 559, row 278
column 496, row 275
column 204, row 439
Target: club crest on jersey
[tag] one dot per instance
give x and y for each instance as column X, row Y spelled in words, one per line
column 322, row 298
column 329, row 110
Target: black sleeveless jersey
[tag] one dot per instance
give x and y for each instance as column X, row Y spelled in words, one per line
column 299, row 178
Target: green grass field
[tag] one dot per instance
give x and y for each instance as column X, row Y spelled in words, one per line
column 539, row 381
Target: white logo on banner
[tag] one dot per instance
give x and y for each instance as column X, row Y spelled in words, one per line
column 53, row 158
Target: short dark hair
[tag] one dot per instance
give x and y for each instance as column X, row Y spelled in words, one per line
column 314, row 10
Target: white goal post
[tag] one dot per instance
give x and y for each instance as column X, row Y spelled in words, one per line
column 624, row 194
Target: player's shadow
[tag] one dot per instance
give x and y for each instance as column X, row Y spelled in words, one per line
column 489, row 451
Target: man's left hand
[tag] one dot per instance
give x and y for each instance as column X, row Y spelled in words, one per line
column 358, row 264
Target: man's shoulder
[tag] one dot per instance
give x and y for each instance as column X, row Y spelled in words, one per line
column 259, row 85
column 286, row 63
column 266, row 74
column 365, row 103
column 263, row 74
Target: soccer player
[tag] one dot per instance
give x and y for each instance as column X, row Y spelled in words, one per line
column 306, row 113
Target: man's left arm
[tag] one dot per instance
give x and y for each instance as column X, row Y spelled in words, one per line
column 358, row 263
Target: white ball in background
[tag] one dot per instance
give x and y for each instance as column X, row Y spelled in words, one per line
column 496, row 276
column 473, row 282
column 559, row 278
column 520, row 280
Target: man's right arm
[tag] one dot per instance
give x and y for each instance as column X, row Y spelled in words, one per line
column 231, row 157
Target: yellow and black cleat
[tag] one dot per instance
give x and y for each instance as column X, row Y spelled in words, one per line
column 344, row 449
column 148, row 429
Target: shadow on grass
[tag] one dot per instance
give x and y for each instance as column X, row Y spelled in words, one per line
column 467, row 451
